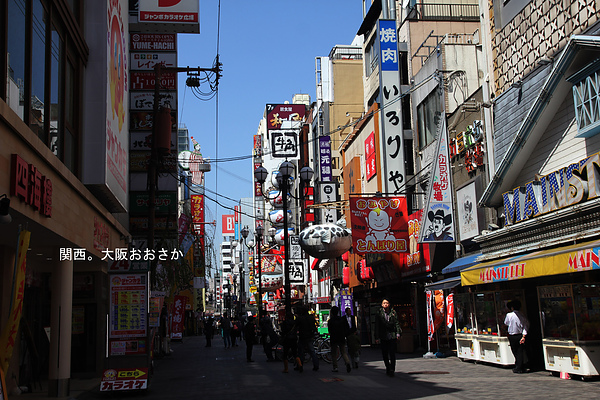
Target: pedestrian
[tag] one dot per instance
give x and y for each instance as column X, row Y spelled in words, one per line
column 250, row 337
column 387, row 332
column 268, row 336
column 518, row 325
column 209, row 327
column 337, row 336
column 226, row 330
column 352, row 338
column 236, row 331
column 307, row 329
column 289, row 341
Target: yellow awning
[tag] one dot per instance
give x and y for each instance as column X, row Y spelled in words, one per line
column 562, row 260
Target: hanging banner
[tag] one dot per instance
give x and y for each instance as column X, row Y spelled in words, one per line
column 9, row 334
column 178, row 317
column 438, row 221
column 430, row 327
column 466, row 204
column 438, row 314
column 379, row 224
column 450, row 310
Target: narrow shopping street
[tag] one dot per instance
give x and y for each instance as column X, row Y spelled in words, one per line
column 194, row 371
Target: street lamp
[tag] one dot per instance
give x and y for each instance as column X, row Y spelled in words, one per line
column 286, row 171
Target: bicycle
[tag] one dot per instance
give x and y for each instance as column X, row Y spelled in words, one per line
column 322, row 344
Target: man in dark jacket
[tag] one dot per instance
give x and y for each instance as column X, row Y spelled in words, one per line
column 250, row 336
column 307, row 329
column 337, row 334
column 387, row 332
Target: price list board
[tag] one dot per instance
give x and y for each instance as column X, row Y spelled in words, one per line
column 128, row 305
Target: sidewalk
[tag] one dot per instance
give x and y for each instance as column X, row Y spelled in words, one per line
column 194, row 371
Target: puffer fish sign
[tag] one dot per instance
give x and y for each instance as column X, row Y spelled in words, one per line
column 325, row 240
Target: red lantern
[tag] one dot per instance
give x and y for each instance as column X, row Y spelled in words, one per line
column 346, row 276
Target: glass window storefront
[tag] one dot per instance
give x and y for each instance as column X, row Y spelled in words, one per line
column 42, row 84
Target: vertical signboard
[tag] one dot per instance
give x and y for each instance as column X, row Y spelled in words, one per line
column 128, row 305
column 328, row 194
column 392, row 139
column 117, row 139
column 171, row 15
column 370, row 156
column 325, row 158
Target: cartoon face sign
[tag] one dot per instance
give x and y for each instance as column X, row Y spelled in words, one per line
column 378, row 220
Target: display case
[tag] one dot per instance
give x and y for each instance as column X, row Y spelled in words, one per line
column 466, row 345
column 480, row 331
column 570, row 319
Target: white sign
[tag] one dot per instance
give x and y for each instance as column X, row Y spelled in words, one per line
column 180, row 16
column 295, row 249
column 466, row 201
column 284, row 144
column 147, row 61
column 328, row 194
column 297, row 269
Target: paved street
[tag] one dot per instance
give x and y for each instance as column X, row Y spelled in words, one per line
column 194, row 371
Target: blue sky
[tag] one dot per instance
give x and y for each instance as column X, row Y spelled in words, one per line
column 268, row 50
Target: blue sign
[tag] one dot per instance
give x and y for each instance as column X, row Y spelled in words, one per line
column 388, row 45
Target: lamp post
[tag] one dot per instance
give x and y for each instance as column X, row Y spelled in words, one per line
column 259, row 232
column 244, row 232
column 286, row 171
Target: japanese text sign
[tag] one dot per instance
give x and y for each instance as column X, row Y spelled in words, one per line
column 325, row 158
column 379, row 224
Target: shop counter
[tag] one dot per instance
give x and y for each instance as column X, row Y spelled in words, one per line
column 577, row 358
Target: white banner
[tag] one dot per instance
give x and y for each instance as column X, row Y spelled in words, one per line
column 438, row 220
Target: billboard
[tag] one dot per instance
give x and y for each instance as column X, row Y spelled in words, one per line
column 379, row 224
column 117, row 60
column 284, row 122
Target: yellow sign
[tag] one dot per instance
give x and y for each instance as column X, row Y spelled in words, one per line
column 563, row 260
column 7, row 340
column 130, row 374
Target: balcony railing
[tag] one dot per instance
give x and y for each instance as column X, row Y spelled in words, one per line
column 444, row 12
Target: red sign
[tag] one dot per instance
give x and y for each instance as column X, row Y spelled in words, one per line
column 450, row 310
column 101, row 237
column 278, row 113
column 178, row 317
column 370, row 156
column 228, row 226
column 379, row 224
column 28, row 184
column 146, row 80
column 417, row 257
column 153, row 42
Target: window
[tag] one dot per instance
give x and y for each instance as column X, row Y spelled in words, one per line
column 371, row 58
column 587, row 105
column 43, row 83
column 428, row 116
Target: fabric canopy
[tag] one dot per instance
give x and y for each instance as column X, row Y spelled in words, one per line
column 443, row 284
column 561, row 260
column 461, row 263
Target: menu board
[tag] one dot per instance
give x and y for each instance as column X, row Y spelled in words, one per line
column 128, row 305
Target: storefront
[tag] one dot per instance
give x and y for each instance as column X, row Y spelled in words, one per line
column 560, row 292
